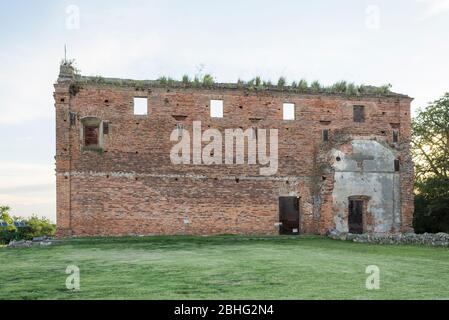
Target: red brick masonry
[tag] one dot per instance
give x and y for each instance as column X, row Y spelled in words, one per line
column 129, row 185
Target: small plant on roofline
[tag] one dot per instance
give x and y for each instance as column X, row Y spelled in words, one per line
column 163, row 80
column 72, row 64
column 99, row 79
column 259, row 83
column 362, row 89
column 338, row 87
column 352, row 90
column 282, row 82
column 68, row 62
column 315, row 86
column 385, row 89
column 171, row 81
column 196, row 82
column 166, row 81
column 251, row 84
column 303, row 86
column 208, row 80
column 185, row 80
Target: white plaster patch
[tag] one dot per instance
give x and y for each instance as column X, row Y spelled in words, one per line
column 375, row 179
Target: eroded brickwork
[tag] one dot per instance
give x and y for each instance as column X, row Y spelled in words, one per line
column 130, row 186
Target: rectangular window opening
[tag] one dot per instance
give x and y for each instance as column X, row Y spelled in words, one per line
column 395, row 136
column 359, row 114
column 72, row 117
column 216, row 108
column 289, row 111
column 105, row 127
column 397, row 166
column 140, row 106
column 326, row 135
column 91, row 134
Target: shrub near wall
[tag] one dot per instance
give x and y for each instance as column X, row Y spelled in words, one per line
column 34, row 227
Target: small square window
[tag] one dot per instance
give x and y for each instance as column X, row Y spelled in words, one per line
column 140, row 106
column 216, row 108
column 289, row 111
column 91, row 133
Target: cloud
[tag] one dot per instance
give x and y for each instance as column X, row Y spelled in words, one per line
column 434, row 8
column 26, row 87
column 15, row 174
column 28, row 188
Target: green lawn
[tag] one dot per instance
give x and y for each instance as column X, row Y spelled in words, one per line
column 224, row 267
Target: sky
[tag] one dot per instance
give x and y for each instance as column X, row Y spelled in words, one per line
column 401, row 42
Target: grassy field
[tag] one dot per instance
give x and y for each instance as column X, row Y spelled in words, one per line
column 223, row 268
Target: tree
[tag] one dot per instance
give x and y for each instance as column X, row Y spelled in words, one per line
column 5, row 217
column 34, row 227
column 4, row 214
column 430, row 148
column 6, row 233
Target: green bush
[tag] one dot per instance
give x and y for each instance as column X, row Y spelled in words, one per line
column 282, row 82
column 185, row 79
column 208, row 80
column 267, row 84
column 315, row 86
column 163, row 80
column 34, row 227
column 338, row 87
column 196, row 82
column 6, row 235
column 385, row 89
column 352, row 90
column 258, row 82
column 303, row 86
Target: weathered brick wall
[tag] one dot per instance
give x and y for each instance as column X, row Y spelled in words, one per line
column 133, row 188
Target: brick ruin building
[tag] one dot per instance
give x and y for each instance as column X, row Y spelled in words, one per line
column 344, row 161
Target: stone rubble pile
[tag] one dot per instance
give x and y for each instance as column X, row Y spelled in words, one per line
column 39, row 241
column 428, row 239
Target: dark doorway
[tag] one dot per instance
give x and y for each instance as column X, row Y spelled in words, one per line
column 355, row 218
column 289, row 215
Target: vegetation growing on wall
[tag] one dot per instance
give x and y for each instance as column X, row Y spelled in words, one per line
column 255, row 84
column 207, row 81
